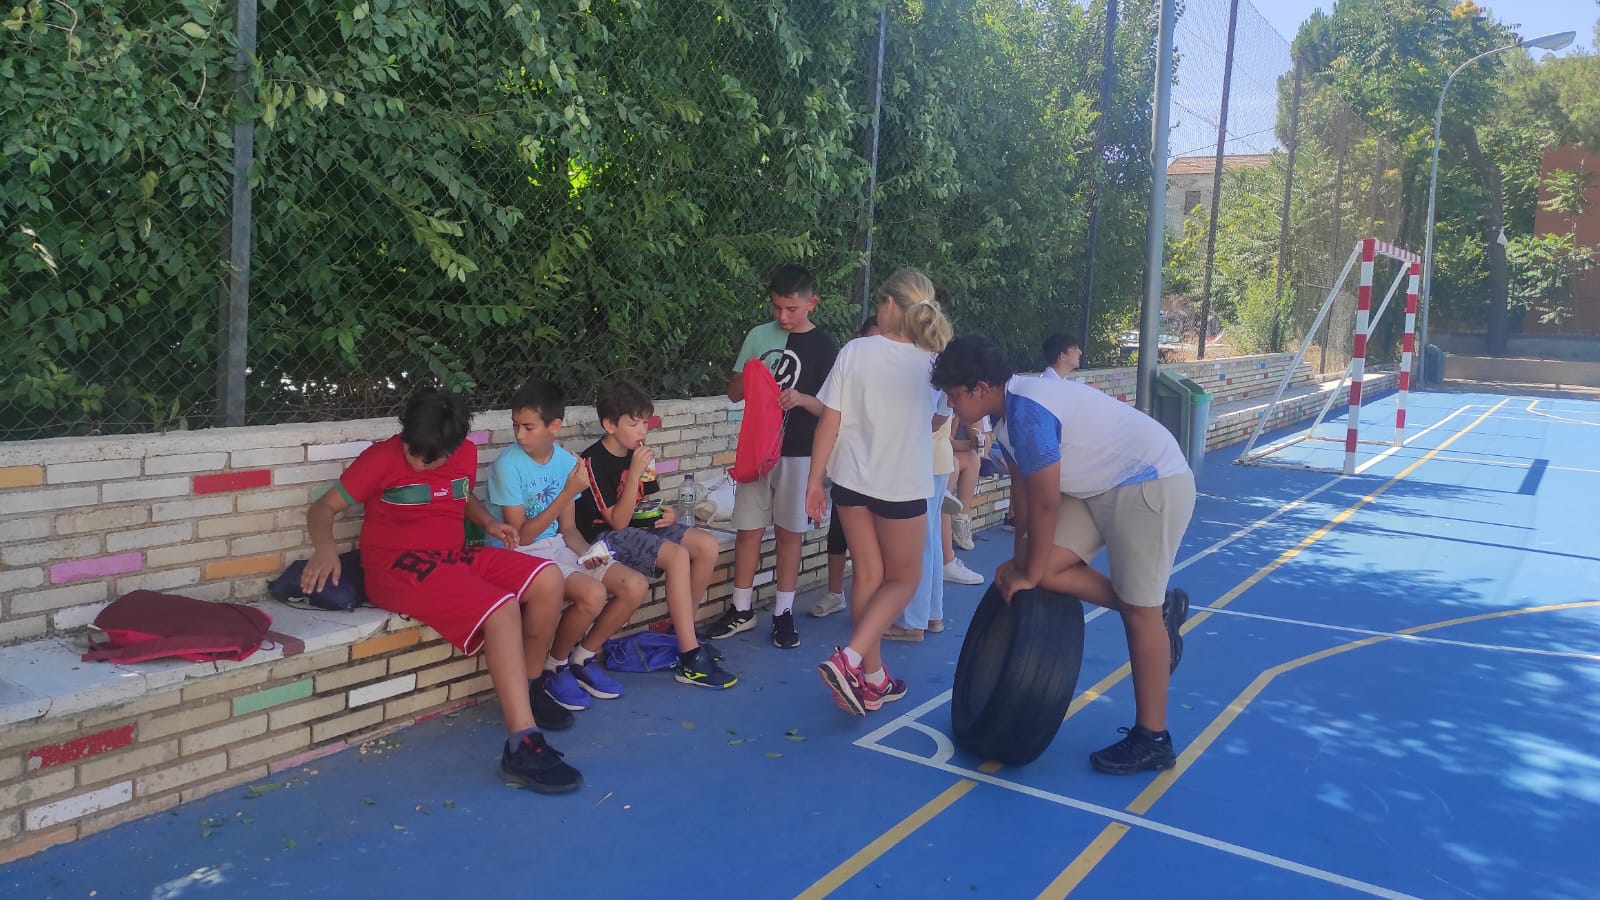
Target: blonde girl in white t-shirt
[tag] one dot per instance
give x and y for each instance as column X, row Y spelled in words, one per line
column 874, row 441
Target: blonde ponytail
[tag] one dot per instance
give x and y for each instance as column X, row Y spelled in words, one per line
column 921, row 318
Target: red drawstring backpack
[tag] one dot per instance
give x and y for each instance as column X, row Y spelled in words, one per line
column 145, row 625
column 761, row 429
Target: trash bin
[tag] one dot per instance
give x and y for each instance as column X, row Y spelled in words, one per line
column 1433, row 357
column 1184, row 407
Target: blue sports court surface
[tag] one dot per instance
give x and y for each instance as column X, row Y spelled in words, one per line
column 1389, row 688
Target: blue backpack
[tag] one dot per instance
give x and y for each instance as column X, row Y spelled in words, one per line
column 646, row 651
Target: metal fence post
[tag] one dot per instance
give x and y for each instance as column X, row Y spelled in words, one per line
column 234, row 321
column 1156, row 227
column 863, row 285
column 1108, row 73
column 1216, row 178
column 1283, row 222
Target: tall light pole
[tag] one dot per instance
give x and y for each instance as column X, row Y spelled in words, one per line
column 1556, row 41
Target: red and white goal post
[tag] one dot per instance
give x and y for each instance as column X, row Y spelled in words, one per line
column 1366, row 252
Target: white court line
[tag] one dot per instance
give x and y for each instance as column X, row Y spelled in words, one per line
column 1539, row 412
column 1301, row 500
column 1362, row 469
column 1350, row 629
column 1135, row 821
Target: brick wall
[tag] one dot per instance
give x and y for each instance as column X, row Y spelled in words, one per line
column 217, row 513
column 66, row 777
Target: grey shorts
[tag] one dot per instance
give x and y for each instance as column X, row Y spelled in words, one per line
column 1140, row 526
column 637, row 548
column 778, row 499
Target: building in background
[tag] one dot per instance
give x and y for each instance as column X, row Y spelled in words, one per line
column 1190, row 182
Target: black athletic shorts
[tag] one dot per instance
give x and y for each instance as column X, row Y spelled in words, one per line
column 883, row 509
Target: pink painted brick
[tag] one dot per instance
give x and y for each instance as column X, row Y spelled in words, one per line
column 667, row 466
column 99, row 567
column 479, row 437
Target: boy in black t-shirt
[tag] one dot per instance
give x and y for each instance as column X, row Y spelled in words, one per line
column 644, row 534
column 800, row 355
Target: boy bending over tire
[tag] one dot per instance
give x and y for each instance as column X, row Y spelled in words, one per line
column 1088, row 471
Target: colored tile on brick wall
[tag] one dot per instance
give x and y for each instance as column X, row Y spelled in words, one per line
column 21, row 476
column 478, row 437
column 667, row 466
column 232, row 481
column 264, row 564
column 724, row 459
column 384, row 643
column 271, row 697
column 79, row 748
column 98, row 567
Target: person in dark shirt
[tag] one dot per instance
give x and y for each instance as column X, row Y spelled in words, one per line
column 800, row 355
column 620, row 509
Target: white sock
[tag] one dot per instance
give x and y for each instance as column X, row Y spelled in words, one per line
column 878, row 677
column 551, row 663
column 784, row 603
column 580, row 655
column 852, row 657
column 743, row 598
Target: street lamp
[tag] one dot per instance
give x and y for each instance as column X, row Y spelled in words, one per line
column 1556, row 41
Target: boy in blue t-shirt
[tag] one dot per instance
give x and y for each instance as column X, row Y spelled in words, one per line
column 532, row 486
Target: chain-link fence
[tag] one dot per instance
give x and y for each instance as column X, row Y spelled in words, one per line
column 257, row 211
column 1257, row 250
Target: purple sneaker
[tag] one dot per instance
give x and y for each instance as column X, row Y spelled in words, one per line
column 596, row 680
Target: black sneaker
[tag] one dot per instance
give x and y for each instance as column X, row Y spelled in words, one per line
column 1139, row 752
column 537, row 766
column 783, row 633
column 1174, row 612
column 699, row 667
column 548, row 713
column 729, row 624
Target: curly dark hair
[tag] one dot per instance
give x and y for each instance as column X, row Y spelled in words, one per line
column 968, row 361
column 434, row 423
column 621, row 397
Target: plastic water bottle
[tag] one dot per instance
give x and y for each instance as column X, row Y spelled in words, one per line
column 688, row 496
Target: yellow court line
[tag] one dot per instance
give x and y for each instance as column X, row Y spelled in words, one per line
column 903, row 829
column 1108, row 838
column 864, row 857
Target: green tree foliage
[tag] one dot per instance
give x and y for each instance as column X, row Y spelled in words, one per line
column 471, row 192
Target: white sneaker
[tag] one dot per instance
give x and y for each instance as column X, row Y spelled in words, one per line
column 957, row 572
column 961, row 531
column 951, row 504
column 828, row 605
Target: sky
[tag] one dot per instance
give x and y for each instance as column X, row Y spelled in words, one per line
column 1263, row 56
column 1534, row 17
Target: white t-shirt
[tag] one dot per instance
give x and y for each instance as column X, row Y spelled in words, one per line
column 885, row 447
column 1050, row 372
column 1101, row 442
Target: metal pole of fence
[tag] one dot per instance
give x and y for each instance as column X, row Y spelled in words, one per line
column 1108, row 72
column 1156, row 226
column 1283, row 221
column 1333, row 248
column 1216, row 177
column 863, row 286
column 235, row 318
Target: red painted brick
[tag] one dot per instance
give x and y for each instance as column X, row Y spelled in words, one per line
column 79, row 748
column 232, row 481
column 655, row 422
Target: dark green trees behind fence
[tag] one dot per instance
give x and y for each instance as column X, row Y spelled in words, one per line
column 476, row 191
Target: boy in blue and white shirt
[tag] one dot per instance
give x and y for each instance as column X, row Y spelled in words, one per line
column 533, row 486
column 1089, row 471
